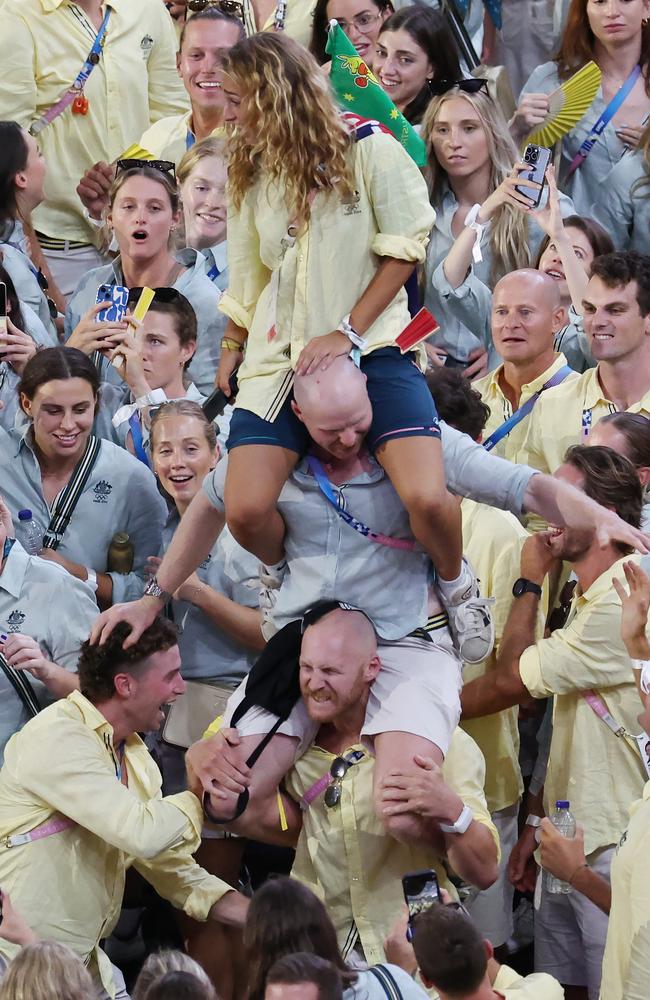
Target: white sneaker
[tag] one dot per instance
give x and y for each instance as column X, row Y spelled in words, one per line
column 470, row 621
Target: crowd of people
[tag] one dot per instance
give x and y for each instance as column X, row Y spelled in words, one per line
column 301, row 607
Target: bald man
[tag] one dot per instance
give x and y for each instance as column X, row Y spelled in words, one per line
column 526, row 316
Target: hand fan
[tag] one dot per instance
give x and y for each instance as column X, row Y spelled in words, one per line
column 421, row 326
column 567, row 105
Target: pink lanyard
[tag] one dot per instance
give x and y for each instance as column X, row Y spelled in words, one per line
column 598, row 706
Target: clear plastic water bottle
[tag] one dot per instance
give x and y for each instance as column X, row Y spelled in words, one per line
column 564, row 821
column 31, row 535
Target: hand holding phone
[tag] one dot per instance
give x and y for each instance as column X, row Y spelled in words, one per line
column 118, row 296
column 421, row 892
column 536, row 159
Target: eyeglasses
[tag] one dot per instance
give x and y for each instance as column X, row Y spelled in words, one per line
column 362, row 22
column 470, row 86
column 163, row 166
column 231, row 7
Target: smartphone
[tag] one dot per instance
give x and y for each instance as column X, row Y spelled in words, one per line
column 118, row 295
column 217, row 401
column 537, row 159
column 3, row 307
column 421, row 892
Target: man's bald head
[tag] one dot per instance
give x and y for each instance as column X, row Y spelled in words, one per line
column 338, row 663
column 333, row 405
column 528, row 279
column 526, row 315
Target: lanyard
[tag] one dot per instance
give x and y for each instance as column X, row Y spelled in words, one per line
column 598, row 706
column 326, row 489
column 190, row 139
column 138, row 442
column 525, row 409
column 214, row 273
column 323, row 783
column 76, row 90
column 617, row 100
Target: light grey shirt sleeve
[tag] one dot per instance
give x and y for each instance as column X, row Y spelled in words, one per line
column 213, row 485
column 473, row 472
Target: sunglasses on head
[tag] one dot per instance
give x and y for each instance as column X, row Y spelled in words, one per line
column 162, row 294
column 231, row 7
column 163, row 166
column 470, row 86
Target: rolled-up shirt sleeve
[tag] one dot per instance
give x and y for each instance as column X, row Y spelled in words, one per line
column 399, row 197
column 177, row 877
column 247, row 274
column 214, row 483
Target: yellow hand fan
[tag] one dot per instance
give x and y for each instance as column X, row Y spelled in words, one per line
column 567, row 105
column 136, row 152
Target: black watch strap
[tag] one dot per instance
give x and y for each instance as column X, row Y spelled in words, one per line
column 523, row 586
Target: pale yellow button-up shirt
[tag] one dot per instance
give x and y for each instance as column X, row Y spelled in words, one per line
column 298, row 20
column 501, row 408
column 324, row 274
column 492, row 541
column 344, row 855
column 626, row 963
column 69, row 886
column 563, row 416
column 44, row 44
column 600, row 774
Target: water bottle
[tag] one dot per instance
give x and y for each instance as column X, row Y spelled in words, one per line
column 31, row 535
column 120, row 553
column 563, row 821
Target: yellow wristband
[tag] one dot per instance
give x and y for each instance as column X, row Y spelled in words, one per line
column 227, row 344
column 283, row 816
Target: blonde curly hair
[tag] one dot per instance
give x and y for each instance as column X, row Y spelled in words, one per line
column 509, row 228
column 293, row 132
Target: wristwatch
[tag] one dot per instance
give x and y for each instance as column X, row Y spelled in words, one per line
column 523, row 586
column 462, row 823
column 153, row 589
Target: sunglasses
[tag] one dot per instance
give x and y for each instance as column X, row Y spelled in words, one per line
column 231, row 7
column 162, row 166
column 338, row 770
column 162, row 294
column 470, row 86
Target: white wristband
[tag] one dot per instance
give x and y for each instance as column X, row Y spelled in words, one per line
column 462, row 824
column 91, row 579
column 346, row 327
column 644, row 667
column 476, row 227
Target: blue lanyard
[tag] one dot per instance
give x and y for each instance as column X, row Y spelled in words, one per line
column 604, row 120
column 190, row 139
column 214, row 273
column 325, row 487
column 94, row 54
column 138, row 444
column 525, row 409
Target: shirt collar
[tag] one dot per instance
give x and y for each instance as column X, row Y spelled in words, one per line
column 218, row 255
column 15, row 567
column 603, row 583
column 593, row 393
column 536, row 384
column 52, row 5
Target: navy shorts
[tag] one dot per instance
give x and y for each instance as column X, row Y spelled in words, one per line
column 402, row 406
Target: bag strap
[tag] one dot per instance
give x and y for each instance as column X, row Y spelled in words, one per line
column 525, row 409
column 65, row 503
column 22, row 687
column 387, row 981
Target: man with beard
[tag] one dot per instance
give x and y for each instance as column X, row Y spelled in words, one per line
column 585, row 666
